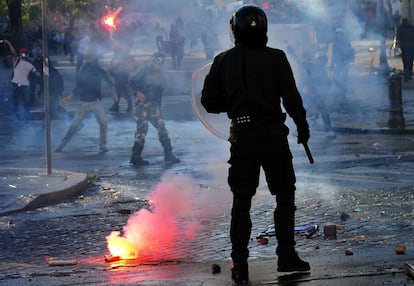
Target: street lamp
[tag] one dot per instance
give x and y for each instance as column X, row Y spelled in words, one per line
column 46, row 85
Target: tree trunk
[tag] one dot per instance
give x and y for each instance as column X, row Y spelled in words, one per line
column 15, row 15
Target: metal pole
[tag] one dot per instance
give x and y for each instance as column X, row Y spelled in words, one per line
column 46, row 94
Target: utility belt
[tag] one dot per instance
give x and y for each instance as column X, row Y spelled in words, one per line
column 248, row 121
column 242, row 120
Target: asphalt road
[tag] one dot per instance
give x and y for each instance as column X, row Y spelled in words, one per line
column 360, row 181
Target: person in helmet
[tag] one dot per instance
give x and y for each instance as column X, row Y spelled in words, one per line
column 250, row 82
column 148, row 86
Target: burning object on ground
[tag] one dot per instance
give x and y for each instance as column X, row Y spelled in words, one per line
column 110, row 258
column 154, row 234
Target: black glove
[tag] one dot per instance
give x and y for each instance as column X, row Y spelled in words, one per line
column 303, row 135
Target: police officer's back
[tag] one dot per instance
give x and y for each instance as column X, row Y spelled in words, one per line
column 250, row 82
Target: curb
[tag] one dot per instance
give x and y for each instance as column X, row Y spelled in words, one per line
column 53, row 189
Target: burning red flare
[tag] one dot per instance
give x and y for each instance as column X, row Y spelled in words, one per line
column 156, row 234
column 120, row 246
column 109, row 21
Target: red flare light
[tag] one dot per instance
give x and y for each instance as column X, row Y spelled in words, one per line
column 110, row 21
column 120, row 247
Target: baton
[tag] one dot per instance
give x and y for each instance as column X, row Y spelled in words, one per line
column 308, row 153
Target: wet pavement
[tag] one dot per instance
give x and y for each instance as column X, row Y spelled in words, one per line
column 361, row 182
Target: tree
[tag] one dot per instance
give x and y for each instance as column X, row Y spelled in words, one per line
column 15, row 15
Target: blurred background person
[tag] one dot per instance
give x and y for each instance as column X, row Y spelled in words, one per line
column 119, row 70
column 315, row 83
column 210, row 41
column 176, row 43
column 405, row 40
column 36, row 82
column 343, row 55
column 161, row 38
column 22, row 69
column 56, row 88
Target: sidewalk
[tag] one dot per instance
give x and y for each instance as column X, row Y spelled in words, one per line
column 27, row 189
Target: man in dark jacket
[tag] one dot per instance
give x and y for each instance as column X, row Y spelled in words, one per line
column 248, row 82
column 405, row 40
column 148, row 87
column 88, row 87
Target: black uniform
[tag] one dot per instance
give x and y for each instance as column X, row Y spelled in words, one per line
column 250, row 84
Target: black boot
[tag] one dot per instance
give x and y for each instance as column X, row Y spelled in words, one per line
column 240, row 273
column 168, row 155
column 288, row 259
column 292, row 263
column 136, row 159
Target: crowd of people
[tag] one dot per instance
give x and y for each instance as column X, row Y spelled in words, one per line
column 142, row 88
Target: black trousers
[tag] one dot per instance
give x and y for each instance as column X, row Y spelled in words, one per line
column 249, row 153
column 407, row 54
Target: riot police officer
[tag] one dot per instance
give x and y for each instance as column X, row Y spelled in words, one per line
column 249, row 82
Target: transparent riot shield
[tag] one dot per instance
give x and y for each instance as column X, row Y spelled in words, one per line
column 217, row 124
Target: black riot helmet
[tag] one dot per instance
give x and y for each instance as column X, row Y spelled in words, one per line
column 249, row 26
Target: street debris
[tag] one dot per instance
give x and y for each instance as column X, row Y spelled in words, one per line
column 344, row 216
column 124, row 211
column 400, row 249
column 305, row 230
column 110, row 258
column 348, row 252
column 329, row 230
column 410, row 269
column 62, row 262
column 263, row 240
column 215, row 269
